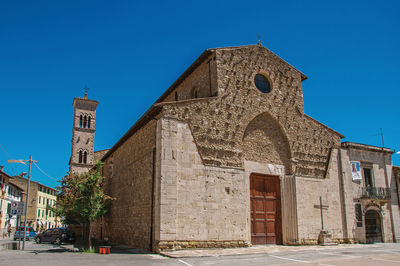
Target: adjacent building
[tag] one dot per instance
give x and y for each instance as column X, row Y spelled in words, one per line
column 14, row 195
column 8, row 194
column 41, row 199
column 227, row 157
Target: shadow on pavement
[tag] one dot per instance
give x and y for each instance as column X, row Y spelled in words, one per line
column 53, row 250
column 114, row 248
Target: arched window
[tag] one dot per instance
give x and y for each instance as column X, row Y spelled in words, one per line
column 176, row 96
column 85, row 157
column 80, row 156
column 80, row 121
column 195, row 94
column 85, row 122
column 88, row 122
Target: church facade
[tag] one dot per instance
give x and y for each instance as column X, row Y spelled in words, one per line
column 226, row 157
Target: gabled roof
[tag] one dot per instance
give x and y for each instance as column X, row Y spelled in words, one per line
column 303, row 77
column 185, row 74
column 325, row 126
column 207, row 54
column 156, row 108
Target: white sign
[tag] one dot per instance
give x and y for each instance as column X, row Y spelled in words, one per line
column 18, row 208
column 355, row 170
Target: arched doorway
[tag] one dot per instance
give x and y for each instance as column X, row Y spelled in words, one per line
column 373, row 227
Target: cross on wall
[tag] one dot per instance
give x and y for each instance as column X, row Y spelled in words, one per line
column 321, row 207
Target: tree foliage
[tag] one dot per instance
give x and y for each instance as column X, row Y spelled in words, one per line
column 82, row 199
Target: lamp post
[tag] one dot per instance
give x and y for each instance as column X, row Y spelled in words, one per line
column 30, row 161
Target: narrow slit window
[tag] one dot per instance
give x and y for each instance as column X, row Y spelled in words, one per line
column 88, row 123
column 80, row 121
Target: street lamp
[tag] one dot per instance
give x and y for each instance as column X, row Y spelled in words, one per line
column 30, row 161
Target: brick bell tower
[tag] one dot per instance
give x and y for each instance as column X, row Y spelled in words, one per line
column 82, row 152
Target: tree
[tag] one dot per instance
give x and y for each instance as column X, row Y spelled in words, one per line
column 81, row 199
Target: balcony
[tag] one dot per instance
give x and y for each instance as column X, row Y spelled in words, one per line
column 376, row 193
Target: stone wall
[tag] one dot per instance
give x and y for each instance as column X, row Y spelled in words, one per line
column 203, row 81
column 198, row 206
column 265, row 141
column 98, row 155
column 309, row 190
column 219, row 123
column 128, row 176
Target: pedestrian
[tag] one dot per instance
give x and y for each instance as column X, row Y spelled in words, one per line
column 9, row 231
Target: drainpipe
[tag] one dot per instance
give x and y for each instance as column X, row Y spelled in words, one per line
column 390, row 201
column 152, row 200
column 342, row 196
column 388, row 186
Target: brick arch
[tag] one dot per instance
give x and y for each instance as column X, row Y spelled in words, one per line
column 265, row 141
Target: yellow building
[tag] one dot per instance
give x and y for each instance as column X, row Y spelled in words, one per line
column 46, row 198
column 41, row 199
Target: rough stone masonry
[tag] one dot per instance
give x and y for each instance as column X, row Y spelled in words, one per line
column 183, row 175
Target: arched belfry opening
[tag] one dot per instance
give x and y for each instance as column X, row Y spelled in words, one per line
column 265, row 141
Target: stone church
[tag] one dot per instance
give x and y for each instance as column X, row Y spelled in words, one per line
column 226, row 157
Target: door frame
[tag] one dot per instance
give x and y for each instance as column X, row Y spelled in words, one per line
column 380, row 225
column 279, row 228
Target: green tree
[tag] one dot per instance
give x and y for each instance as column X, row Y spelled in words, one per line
column 81, row 199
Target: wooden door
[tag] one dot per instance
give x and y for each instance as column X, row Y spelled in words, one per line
column 373, row 230
column 265, row 201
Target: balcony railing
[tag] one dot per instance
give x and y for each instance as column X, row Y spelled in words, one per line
column 381, row 193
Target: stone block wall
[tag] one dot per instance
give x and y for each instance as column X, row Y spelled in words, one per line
column 308, row 192
column 199, row 206
column 129, row 175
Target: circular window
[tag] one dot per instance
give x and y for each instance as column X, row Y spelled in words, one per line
column 262, row 83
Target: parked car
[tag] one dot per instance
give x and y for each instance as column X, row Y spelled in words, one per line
column 19, row 233
column 56, row 236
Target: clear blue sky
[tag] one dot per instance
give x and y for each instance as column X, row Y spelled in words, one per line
column 129, row 53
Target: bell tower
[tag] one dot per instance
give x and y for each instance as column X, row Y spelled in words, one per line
column 82, row 152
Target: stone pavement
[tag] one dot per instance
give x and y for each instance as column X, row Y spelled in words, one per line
column 342, row 255
column 259, row 249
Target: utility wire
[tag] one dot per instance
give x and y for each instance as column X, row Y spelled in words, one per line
column 43, row 172
column 8, row 155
